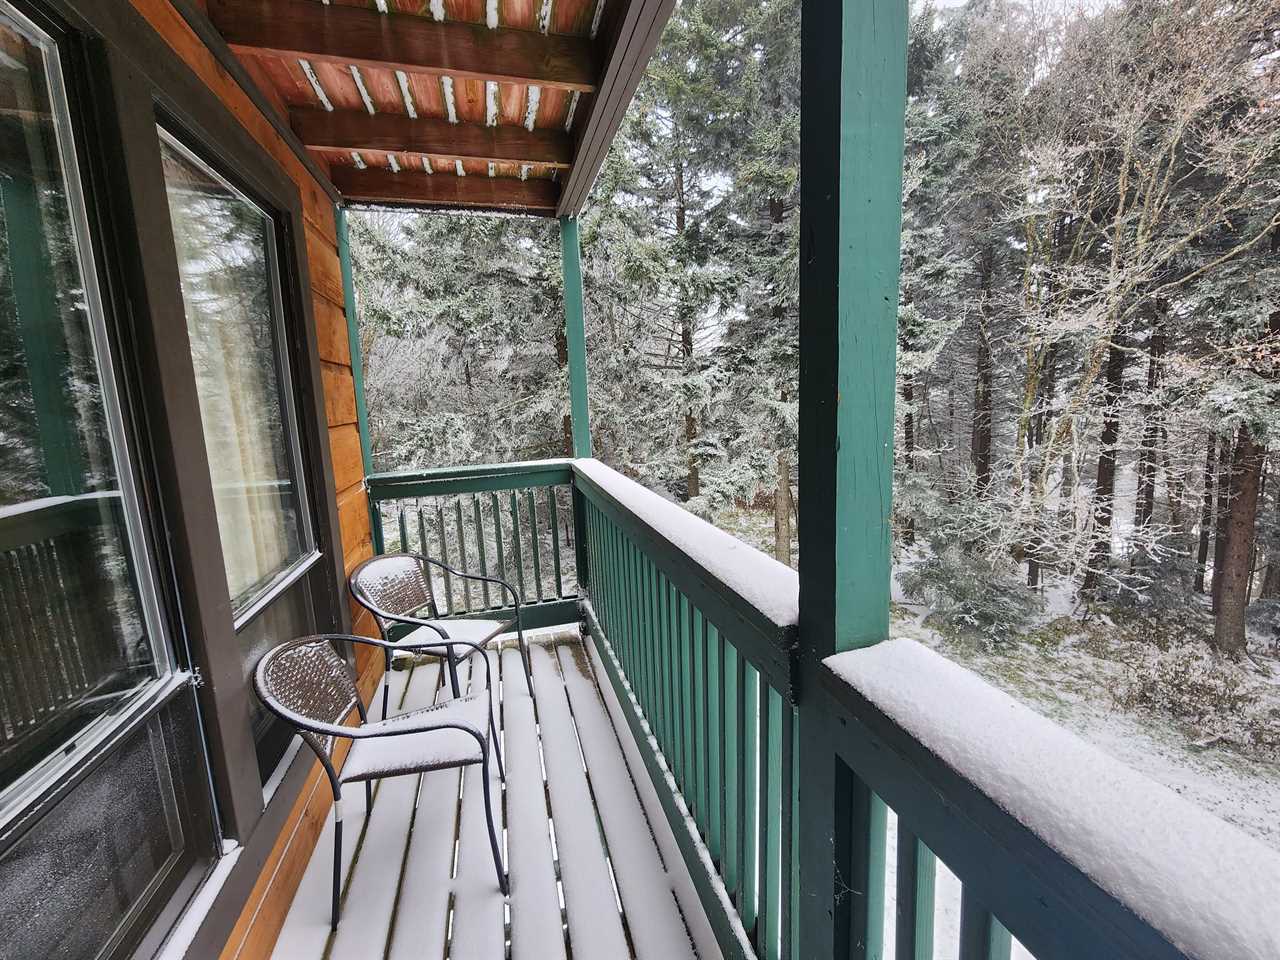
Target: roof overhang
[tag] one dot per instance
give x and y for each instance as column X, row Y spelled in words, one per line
column 472, row 104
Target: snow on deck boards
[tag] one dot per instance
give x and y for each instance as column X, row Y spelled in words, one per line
column 588, row 879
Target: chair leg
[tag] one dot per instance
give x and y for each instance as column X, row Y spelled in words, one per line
column 497, row 750
column 524, row 657
column 337, row 862
column 493, row 833
column 386, row 681
column 453, row 674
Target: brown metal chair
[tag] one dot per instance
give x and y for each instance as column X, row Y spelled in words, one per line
column 306, row 683
column 396, row 588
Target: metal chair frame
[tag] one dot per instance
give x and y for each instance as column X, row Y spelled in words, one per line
column 321, row 735
column 388, row 618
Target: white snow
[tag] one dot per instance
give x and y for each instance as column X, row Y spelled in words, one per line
column 1207, row 886
column 771, row 587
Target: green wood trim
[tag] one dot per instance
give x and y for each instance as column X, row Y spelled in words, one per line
column 353, row 338
column 575, row 335
column 917, row 873
column 1054, row 909
column 487, row 478
column 767, row 646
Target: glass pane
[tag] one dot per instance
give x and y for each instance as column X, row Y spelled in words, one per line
column 288, row 616
column 74, row 642
column 78, row 882
column 226, row 257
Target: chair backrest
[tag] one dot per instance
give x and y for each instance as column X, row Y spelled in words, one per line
column 306, row 682
column 396, row 583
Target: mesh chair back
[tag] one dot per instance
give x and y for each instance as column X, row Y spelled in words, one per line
column 397, row 583
column 305, row 681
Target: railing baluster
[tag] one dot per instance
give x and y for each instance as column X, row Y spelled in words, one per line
column 917, row 870
column 770, row 821
column 715, row 742
column 751, row 794
column 682, row 669
column 478, row 519
column 554, row 521
column 497, row 533
column 982, row 936
column 517, row 553
column 444, row 555
column 462, row 555
column 535, row 544
column 404, row 531
column 732, row 846
column 701, row 794
column 424, row 542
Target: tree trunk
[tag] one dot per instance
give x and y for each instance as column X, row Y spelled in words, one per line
column 562, row 362
column 1144, row 509
column 981, row 443
column 1233, row 592
column 1224, row 492
column 693, row 481
column 1105, row 489
column 909, row 445
column 1206, row 513
column 782, row 511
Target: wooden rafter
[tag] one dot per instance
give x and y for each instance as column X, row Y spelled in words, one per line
column 364, row 37
column 536, row 196
column 395, row 133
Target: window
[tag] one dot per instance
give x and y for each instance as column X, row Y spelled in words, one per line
column 230, row 289
column 79, row 639
column 227, row 261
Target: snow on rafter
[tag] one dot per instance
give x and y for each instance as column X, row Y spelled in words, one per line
column 459, row 168
column 524, row 171
column 544, row 16
column 358, row 160
column 393, row 163
column 531, row 111
column 364, row 91
column 493, row 169
column 595, row 19
column 382, row 5
column 450, row 105
column 491, row 14
column 310, row 73
column 426, row 165
column 491, row 103
column 402, row 78
column 573, row 108
column 437, row 9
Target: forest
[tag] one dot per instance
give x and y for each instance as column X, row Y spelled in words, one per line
column 1087, row 505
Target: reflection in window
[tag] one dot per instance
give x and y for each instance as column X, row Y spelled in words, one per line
column 73, row 639
column 226, row 257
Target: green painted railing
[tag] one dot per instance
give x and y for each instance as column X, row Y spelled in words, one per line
column 708, row 678
column 513, row 521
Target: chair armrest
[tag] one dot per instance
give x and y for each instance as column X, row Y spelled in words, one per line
column 477, row 577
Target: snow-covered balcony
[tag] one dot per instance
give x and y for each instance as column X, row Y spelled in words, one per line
column 687, row 780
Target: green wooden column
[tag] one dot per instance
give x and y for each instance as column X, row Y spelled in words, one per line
column 853, row 83
column 575, row 335
column 44, row 343
column 357, row 365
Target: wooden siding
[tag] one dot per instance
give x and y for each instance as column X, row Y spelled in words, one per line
column 255, row 932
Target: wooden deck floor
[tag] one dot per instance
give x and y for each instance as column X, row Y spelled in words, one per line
column 595, row 873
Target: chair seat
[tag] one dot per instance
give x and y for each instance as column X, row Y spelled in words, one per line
column 468, row 631
column 399, row 753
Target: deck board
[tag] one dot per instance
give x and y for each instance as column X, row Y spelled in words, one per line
column 406, row 898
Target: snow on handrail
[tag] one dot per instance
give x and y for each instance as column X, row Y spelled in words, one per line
column 772, row 588
column 1208, row 887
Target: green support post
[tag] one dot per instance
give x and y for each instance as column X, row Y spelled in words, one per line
column 357, row 366
column 575, row 334
column 853, row 84
column 44, row 342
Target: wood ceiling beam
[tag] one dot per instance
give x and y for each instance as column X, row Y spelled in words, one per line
column 417, row 188
column 395, row 133
column 364, row 37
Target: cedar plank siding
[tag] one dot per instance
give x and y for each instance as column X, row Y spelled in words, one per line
column 255, row 931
